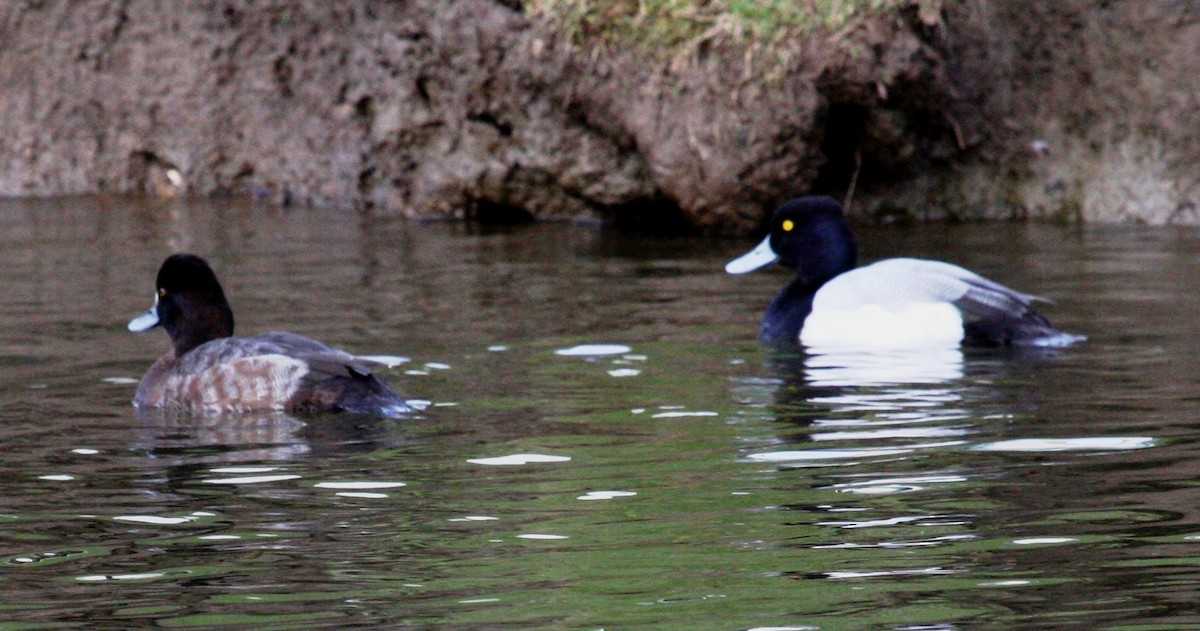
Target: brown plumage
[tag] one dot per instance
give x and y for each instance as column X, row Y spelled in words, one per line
column 210, row 370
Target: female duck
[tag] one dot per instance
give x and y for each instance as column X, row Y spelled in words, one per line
column 894, row 303
column 209, row 370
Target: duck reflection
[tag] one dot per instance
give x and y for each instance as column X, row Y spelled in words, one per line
column 190, row 438
column 839, row 367
column 849, row 403
column 894, row 378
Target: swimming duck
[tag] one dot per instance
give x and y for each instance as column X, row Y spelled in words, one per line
column 210, row 370
column 894, row 303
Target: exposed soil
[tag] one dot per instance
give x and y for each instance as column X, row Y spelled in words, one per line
column 1074, row 110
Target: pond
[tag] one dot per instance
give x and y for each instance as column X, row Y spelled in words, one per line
column 676, row 475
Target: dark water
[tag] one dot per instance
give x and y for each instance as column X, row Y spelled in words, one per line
column 692, row 480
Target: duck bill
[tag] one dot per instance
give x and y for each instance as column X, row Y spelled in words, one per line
column 760, row 256
column 146, row 321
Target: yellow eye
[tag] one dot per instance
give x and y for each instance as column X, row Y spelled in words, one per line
column 788, row 225
column 162, row 293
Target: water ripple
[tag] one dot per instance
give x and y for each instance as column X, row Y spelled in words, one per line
column 921, row 543
column 888, row 486
column 1098, row 443
column 592, row 350
column 517, row 459
column 915, row 520
column 252, row 479
column 162, row 521
column 682, row 414
column 605, row 495
column 929, row 571
column 803, row 455
column 361, row 490
column 878, row 434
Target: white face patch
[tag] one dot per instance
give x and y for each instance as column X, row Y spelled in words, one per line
column 761, row 255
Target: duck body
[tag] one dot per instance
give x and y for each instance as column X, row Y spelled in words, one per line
column 209, row 370
column 890, row 304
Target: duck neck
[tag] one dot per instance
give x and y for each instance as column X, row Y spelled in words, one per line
column 785, row 317
column 201, row 324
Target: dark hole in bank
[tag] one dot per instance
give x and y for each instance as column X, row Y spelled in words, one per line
column 499, row 214
column 653, row 216
column 842, row 146
column 646, row 216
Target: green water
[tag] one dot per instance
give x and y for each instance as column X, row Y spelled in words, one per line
column 693, row 480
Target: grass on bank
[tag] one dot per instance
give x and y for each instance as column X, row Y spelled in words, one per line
column 668, row 28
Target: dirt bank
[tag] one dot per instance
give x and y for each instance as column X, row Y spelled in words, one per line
column 971, row 108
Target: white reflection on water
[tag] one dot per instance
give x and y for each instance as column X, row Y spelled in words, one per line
column 153, row 519
column 929, row 571
column 900, row 484
column 683, row 414
column 908, row 432
column 363, row 490
column 875, row 368
column 898, row 404
column 517, row 459
column 922, row 543
column 592, row 350
column 1096, row 443
column 605, row 495
column 845, row 454
column 359, row 486
column 916, row 520
column 254, row 479
column 1042, row 541
column 826, row 454
column 163, row 521
column 121, row 577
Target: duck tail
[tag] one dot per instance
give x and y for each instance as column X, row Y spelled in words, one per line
column 1031, row 329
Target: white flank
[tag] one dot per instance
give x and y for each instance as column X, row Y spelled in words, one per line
column 873, row 326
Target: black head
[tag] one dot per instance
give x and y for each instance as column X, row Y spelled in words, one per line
column 189, row 304
column 811, row 235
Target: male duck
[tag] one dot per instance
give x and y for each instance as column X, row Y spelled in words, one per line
column 892, row 304
column 209, row 370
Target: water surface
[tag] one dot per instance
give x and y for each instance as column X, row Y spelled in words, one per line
column 605, row 444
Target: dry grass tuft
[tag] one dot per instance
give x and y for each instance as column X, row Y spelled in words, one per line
column 678, row 29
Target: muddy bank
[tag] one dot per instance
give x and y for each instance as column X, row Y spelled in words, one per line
column 1086, row 112
column 978, row 108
